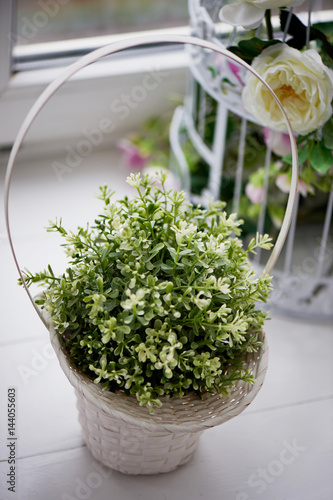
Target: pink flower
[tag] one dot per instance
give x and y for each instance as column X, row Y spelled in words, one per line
column 236, row 69
column 229, row 69
column 279, row 141
column 132, row 155
column 255, row 194
column 302, row 188
column 283, row 182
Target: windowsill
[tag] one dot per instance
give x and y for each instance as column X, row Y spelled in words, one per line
column 171, row 59
column 86, row 98
column 91, row 89
column 63, row 52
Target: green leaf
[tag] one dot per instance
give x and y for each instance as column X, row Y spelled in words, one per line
column 143, row 320
column 149, row 315
column 325, row 183
column 114, row 294
column 321, row 158
column 187, row 251
column 151, row 208
column 328, row 134
column 249, row 49
column 167, row 267
column 226, row 80
column 119, row 349
column 303, row 153
column 124, row 329
column 214, row 71
column 156, row 249
column 172, row 251
column 128, row 320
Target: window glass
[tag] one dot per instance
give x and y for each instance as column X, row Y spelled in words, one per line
column 52, row 20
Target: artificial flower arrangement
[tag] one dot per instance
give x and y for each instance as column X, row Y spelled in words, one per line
column 296, row 61
column 159, row 298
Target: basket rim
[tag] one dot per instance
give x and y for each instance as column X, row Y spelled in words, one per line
column 188, row 413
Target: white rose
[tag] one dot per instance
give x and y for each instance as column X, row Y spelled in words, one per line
column 300, row 80
column 249, row 13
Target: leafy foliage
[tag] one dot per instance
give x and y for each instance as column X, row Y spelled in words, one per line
column 160, row 297
column 251, row 48
column 316, row 148
column 298, row 32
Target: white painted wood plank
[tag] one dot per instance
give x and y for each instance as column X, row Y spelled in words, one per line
column 300, row 363
column 281, row 454
column 45, row 401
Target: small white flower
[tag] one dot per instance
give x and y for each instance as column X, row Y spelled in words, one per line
column 134, row 180
column 116, row 223
column 134, row 299
column 223, row 286
column 200, row 302
column 184, row 229
column 214, row 246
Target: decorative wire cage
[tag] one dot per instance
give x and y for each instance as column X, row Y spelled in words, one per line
column 118, row 432
column 303, row 277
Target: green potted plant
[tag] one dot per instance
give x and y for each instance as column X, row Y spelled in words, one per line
column 156, row 324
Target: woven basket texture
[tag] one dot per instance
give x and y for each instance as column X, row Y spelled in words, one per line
column 126, row 437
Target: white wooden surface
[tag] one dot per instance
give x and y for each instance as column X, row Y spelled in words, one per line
column 280, row 448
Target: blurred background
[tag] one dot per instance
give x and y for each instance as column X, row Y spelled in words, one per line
column 85, row 18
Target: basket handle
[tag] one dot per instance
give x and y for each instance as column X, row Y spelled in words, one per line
column 128, row 44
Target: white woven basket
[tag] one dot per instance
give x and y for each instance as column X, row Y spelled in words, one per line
column 126, row 437
column 120, row 433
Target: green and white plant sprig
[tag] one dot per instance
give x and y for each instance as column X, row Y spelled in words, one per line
column 159, row 298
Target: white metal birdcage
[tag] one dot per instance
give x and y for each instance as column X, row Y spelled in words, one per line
column 303, row 277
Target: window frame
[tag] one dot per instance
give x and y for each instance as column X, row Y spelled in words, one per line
column 7, row 14
column 21, row 84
